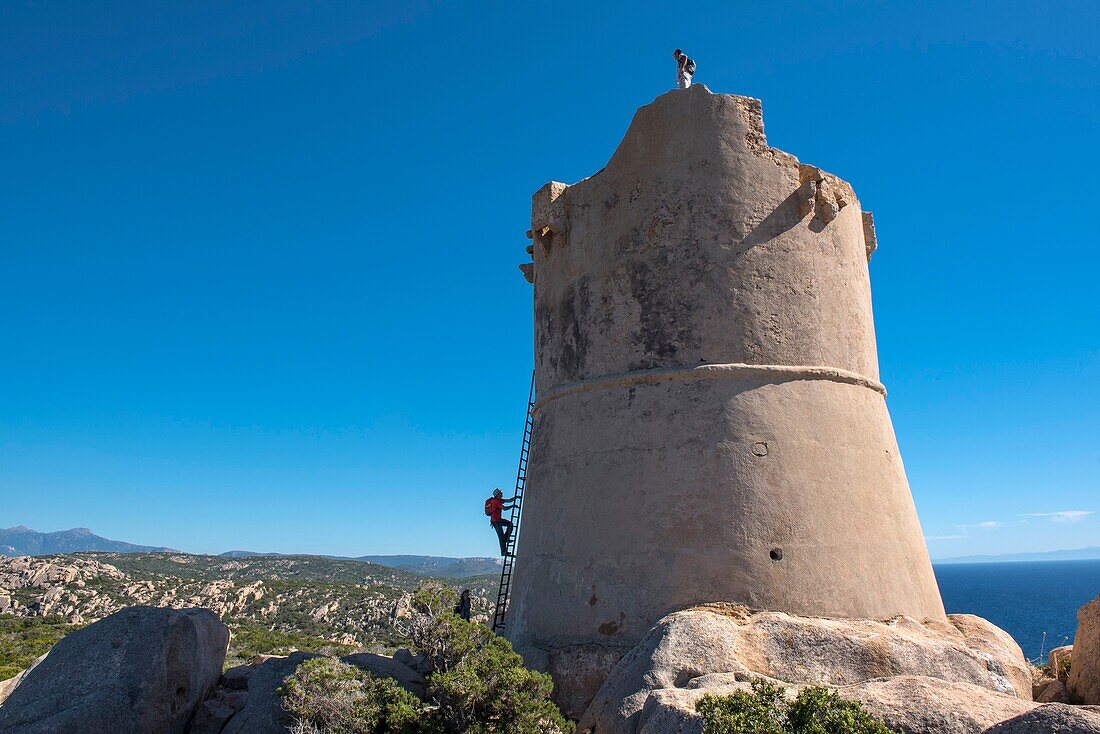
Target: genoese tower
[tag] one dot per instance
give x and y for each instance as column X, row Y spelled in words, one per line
column 709, row 421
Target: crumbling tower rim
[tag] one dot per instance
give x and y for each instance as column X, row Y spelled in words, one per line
column 819, row 192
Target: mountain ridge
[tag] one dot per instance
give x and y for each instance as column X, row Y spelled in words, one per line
column 23, row 541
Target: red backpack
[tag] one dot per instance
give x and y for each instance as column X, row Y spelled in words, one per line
column 489, row 506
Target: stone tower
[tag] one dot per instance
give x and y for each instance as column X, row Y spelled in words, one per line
column 709, row 421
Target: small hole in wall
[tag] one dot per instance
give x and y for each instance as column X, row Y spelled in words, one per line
column 180, row 700
column 776, row 554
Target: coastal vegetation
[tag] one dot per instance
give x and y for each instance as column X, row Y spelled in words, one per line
column 766, row 710
column 476, row 684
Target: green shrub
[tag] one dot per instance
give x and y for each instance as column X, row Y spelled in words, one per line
column 433, row 598
column 761, row 712
column 330, row 697
column 815, row 710
column 477, row 685
column 448, row 639
column 821, row 711
column 489, row 690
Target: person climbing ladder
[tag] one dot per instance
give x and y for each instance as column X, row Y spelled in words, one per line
column 494, row 506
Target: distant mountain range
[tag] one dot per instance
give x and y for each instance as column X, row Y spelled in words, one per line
column 1076, row 554
column 22, row 541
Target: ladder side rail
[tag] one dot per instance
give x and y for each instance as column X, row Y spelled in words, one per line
column 521, row 486
column 515, row 516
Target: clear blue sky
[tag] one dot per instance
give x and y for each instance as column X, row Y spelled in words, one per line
column 258, row 284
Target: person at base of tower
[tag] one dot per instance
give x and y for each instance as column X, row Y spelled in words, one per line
column 462, row 609
column 494, row 506
column 685, row 69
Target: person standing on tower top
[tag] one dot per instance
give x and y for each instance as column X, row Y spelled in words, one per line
column 494, row 506
column 685, row 69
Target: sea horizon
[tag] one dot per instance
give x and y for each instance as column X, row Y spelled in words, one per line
column 1024, row 598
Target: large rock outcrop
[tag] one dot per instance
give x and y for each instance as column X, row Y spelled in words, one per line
column 1054, row 718
column 1084, row 672
column 921, row 705
column 907, row 704
column 263, row 711
column 142, row 670
column 383, row 666
column 965, row 670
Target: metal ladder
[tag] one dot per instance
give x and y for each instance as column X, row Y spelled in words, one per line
column 517, row 510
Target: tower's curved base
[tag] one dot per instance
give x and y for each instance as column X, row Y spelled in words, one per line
column 776, row 492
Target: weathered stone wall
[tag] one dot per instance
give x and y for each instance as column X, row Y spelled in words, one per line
column 709, row 422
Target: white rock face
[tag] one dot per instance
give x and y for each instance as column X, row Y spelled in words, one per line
column 920, row 705
column 138, row 671
column 1084, row 672
column 965, row 664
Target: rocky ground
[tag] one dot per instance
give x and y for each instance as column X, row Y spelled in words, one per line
column 148, row 669
column 962, row 675
column 271, row 603
column 157, row 662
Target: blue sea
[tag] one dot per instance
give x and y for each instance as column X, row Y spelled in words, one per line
column 1025, row 599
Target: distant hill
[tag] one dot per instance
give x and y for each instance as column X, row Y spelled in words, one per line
column 442, row 567
column 1076, row 554
column 273, row 603
column 22, row 541
column 439, row 566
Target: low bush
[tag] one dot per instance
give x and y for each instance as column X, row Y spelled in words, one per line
column 489, row 690
column 447, row 640
column 766, row 710
column 477, row 684
column 327, row 696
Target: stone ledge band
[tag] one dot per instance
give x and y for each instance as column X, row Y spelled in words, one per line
column 733, row 370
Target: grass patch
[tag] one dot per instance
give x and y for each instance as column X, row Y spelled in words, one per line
column 22, row 639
